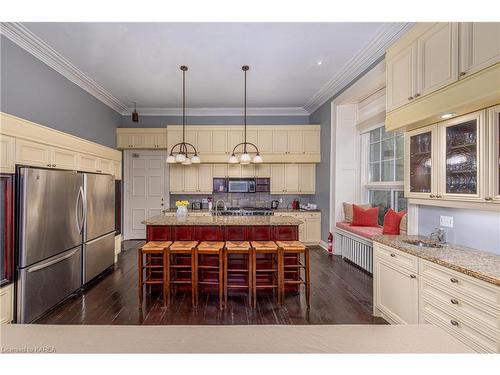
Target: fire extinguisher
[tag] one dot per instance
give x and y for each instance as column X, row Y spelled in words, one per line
column 330, row 242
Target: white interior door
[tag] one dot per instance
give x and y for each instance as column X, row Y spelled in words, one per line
column 145, row 189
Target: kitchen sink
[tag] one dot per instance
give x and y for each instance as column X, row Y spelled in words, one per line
column 424, row 243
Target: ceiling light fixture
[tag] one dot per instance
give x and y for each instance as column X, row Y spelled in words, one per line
column 135, row 115
column 447, row 115
column 245, row 157
column 181, row 155
column 320, row 62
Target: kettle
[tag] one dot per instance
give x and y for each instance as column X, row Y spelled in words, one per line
column 275, row 204
column 295, row 204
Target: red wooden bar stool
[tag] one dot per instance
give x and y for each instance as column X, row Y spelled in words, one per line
column 241, row 248
column 271, row 271
column 294, row 248
column 210, row 249
column 155, row 268
column 182, row 267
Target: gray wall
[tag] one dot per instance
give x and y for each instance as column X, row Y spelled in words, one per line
column 322, row 116
column 477, row 229
column 162, row 121
column 33, row 91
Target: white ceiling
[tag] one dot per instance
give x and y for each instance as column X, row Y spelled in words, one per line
column 140, row 61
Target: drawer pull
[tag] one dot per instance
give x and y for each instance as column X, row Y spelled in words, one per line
column 454, row 301
column 454, row 323
column 393, row 255
column 453, row 280
column 413, row 276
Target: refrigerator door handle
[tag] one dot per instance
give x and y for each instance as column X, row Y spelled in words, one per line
column 48, row 264
column 84, row 201
column 79, row 226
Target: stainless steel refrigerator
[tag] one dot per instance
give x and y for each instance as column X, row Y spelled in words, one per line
column 66, row 235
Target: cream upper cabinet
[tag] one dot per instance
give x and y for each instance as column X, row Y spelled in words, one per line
column 265, row 141
column 479, row 46
column 219, row 142
column 263, row 170
column 234, row 170
column 437, row 64
column 176, row 178
column 190, row 179
column 143, row 138
column 117, row 170
column 7, row 154
column 64, row 159
column 461, row 158
column 105, row 166
column 175, row 136
column 205, row 142
column 123, row 140
column 395, row 291
column 421, row 163
column 295, row 142
column 248, row 170
column 401, row 77
column 278, row 178
column 88, row 163
column 31, row 153
column 234, row 137
column 311, row 142
column 205, row 183
column 220, row 170
column 292, row 178
column 307, row 178
column 493, row 137
column 280, row 141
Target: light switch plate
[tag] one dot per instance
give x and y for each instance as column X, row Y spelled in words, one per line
column 446, row 221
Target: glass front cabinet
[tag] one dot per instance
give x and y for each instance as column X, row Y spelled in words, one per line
column 493, row 136
column 457, row 159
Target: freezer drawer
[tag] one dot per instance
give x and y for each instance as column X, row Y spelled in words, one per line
column 99, row 254
column 44, row 284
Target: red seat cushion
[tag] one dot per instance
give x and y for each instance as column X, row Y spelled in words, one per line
column 364, row 218
column 392, row 219
column 365, row 232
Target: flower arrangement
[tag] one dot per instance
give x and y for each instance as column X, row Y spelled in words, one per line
column 181, row 203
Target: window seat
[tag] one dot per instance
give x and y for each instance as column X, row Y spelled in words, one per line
column 355, row 244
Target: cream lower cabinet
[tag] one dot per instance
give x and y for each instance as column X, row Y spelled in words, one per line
column 6, row 303
column 193, row 179
column 395, row 289
column 7, row 154
column 465, row 307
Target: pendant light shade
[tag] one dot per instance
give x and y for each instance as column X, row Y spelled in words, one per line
column 135, row 115
column 245, row 157
column 179, row 153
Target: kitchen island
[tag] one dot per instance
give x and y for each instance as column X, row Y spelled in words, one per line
column 229, row 228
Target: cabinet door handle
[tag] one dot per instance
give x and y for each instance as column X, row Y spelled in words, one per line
column 417, row 95
column 413, row 276
column 489, row 198
column 48, row 165
column 410, row 97
column 463, row 73
column 453, row 280
column 393, row 255
column 53, row 165
column 432, row 196
column 454, row 323
column 454, row 301
column 439, row 196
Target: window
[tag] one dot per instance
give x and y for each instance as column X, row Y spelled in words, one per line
column 384, row 173
column 385, row 199
column 385, row 158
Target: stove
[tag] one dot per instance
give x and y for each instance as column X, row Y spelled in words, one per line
column 246, row 211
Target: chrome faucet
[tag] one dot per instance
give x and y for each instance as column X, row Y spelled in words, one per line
column 217, row 205
column 438, row 235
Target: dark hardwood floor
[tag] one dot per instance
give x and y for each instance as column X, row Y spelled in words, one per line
column 340, row 294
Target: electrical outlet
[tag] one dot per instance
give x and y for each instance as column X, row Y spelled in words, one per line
column 446, row 221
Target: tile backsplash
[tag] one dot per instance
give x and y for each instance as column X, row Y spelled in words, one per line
column 244, row 199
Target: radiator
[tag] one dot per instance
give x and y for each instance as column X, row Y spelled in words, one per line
column 356, row 249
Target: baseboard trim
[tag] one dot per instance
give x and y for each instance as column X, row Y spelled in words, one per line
column 323, row 245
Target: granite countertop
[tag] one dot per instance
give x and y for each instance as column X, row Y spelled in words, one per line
column 222, row 220
column 476, row 263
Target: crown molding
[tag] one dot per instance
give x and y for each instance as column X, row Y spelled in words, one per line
column 263, row 111
column 31, row 43
column 374, row 50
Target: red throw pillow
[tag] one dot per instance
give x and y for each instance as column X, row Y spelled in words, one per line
column 364, row 218
column 392, row 219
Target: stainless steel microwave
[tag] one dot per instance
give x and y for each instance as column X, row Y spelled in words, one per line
column 241, row 185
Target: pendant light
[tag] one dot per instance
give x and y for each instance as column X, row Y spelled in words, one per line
column 135, row 115
column 179, row 153
column 245, row 157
